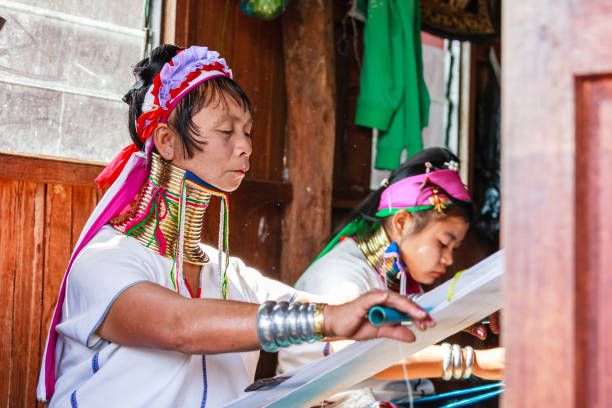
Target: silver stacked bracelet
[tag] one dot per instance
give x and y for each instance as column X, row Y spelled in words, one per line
column 453, row 364
column 447, row 361
column 469, row 361
column 457, row 354
column 280, row 324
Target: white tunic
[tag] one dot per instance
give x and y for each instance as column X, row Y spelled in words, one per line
column 93, row 372
column 339, row 276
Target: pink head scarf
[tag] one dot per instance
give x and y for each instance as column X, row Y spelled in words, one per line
column 414, row 193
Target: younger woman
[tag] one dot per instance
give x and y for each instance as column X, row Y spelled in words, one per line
column 401, row 236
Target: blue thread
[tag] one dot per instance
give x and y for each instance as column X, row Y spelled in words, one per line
column 95, row 366
column 205, row 383
column 73, row 400
column 473, row 400
column 456, row 393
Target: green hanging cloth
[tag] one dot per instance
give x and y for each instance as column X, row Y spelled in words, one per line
column 393, row 96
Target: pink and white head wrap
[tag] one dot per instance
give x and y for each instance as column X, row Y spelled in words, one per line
column 187, row 69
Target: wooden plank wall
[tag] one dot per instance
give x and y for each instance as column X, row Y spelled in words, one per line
column 43, row 218
column 253, row 49
column 44, row 204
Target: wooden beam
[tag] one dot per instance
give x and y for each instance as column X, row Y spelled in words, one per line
column 168, row 25
column 48, row 169
column 310, row 85
column 556, row 164
column 52, row 170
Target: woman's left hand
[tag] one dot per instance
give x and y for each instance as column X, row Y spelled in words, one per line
column 490, row 363
column 350, row 320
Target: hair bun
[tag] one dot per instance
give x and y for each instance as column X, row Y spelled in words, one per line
column 143, row 71
column 452, row 165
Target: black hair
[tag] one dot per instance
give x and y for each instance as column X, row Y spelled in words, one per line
column 181, row 118
column 415, row 165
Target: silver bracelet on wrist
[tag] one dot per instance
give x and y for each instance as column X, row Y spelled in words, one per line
column 303, row 321
column 312, row 334
column 265, row 329
column 457, row 353
column 447, row 361
column 453, row 364
column 293, row 323
column 469, row 361
column 280, row 324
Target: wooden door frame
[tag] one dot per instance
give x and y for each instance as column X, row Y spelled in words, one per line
column 556, row 165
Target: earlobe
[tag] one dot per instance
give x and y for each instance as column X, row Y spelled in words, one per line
column 164, row 141
column 397, row 223
column 403, row 218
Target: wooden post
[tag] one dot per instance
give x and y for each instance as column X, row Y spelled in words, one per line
column 309, row 71
column 175, row 22
column 556, row 164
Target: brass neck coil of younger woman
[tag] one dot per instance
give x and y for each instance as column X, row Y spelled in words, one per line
column 164, row 174
column 373, row 249
column 374, row 246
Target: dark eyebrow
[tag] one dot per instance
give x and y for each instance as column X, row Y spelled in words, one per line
column 451, row 236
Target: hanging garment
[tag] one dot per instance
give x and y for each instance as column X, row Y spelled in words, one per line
column 393, row 96
column 487, row 159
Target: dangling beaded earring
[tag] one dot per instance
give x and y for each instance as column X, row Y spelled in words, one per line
column 428, row 168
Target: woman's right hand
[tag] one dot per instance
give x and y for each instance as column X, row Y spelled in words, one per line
column 350, row 320
column 490, row 363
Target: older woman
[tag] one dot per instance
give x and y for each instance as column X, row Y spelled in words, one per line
column 148, row 316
